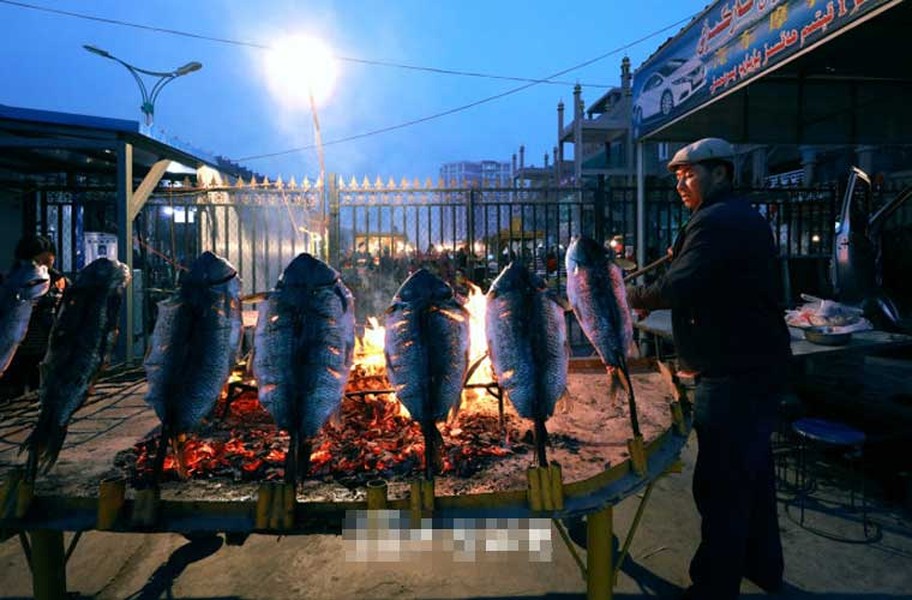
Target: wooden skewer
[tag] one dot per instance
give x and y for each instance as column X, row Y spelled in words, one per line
column 650, row 267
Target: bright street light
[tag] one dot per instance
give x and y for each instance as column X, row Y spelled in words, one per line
column 164, row 77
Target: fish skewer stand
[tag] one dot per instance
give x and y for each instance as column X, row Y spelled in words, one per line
column 40, row 519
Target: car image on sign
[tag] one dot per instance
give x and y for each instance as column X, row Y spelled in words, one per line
column 667, row 87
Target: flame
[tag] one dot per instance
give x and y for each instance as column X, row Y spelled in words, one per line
column 477, row 304
column 369, row 347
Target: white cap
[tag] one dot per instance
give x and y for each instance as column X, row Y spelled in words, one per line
column 705, row 149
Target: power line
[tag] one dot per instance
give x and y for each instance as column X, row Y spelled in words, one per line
column 471, row 104
column 528, row 82
column 232, row 42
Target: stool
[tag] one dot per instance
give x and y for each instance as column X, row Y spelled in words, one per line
column 783, row 443
column 822, row 434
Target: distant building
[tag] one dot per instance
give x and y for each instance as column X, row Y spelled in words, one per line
column 597, row 141
column 485, row 173
column 490, row 181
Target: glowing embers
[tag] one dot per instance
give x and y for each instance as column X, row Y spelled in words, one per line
column 373, row 437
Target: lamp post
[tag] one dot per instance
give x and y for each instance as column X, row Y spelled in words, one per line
column 164, row 77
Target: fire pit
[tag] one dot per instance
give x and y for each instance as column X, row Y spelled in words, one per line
column 367, row 458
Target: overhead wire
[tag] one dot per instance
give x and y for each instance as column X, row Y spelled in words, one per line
column 528, row 82
column 260, row 46
column 470, row 104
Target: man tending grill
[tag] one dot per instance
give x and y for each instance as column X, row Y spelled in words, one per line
column 729, row 331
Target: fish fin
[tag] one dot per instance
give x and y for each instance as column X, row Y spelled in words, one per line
column 564, row 404
column 617, row 384
column 43, row 445
column 342, row 298
column 335, row 417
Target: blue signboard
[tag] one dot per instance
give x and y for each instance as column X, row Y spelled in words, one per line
column 731, row 42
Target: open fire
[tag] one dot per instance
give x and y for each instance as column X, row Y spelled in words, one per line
column 372, row 437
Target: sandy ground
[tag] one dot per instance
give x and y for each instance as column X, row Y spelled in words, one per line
column 106, row 565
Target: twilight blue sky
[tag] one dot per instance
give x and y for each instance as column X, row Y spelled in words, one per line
column 227, row 108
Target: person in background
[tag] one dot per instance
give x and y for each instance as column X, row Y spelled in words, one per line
column 23, row 372
column 729, row 332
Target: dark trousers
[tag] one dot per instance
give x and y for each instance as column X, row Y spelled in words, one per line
column 733, row 485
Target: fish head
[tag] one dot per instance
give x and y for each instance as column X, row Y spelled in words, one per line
column 104, row 273
column 28, row 281
column 308, row 273
column 422, row 287
column 587, row 253
column 209, row 269
column 516, row 278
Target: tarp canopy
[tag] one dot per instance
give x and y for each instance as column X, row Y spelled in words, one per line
column 782, row 72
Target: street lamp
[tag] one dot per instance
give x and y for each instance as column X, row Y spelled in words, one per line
column 164, row 77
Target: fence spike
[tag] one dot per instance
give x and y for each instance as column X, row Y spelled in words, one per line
column 292, row 184
column 239, row 182
column 279, row 183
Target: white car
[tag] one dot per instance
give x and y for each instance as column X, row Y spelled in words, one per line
column 668, row 86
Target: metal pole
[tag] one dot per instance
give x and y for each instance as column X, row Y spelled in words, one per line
column 641, row 206
column 125, row 241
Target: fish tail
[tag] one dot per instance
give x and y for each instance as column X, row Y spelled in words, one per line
column 43, row 445
column 433, row 449
column 297, row 461
column 618, row 383
column 541, row 440
column 291, row 458
column 631, row 400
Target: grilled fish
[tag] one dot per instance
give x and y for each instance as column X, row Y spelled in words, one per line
column 427, row 352
column 24, row 284
column 595, row 288
column 193, row 347
column 527, row 342
column 81, row 339
column 304, row 345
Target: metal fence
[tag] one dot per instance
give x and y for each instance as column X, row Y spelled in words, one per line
column 375, row 233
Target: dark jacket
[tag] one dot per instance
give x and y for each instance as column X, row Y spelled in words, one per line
column 44, row 312
column 721, row 288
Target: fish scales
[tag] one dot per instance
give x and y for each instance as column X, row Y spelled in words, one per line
column 194, row 344
column 305, row 338
column 595, row 288
column 23, row 285
column 427, row 347
column 527, row 339
column 81, row 340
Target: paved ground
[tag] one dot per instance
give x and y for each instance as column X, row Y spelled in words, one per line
column 153, row 566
